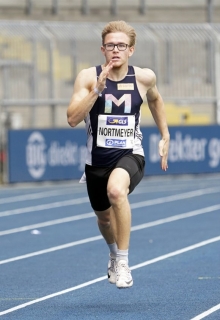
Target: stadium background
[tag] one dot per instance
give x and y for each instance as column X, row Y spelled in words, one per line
column 52, row 256
column 44, row 44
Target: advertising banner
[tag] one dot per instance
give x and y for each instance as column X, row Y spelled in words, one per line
column 41, row 155
column 59, row 154
column 192, row 150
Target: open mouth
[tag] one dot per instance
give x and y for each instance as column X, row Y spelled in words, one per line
column 115, row 58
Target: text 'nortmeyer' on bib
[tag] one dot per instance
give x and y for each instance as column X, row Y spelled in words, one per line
column 116, row 131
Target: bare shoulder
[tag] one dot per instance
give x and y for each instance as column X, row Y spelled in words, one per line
column 86, row 77
column 84, row 83
column 145, row 76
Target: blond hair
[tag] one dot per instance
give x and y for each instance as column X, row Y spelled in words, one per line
column 119, row 26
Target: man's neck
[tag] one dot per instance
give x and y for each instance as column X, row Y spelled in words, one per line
column 118, row 73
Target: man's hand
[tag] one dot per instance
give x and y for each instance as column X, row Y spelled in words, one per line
column 100, row 86
column 163, row 151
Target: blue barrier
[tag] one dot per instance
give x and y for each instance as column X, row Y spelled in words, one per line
column 59, row 154
column 194, row 149
column 44, row 155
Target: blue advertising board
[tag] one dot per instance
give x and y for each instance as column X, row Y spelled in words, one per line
column 41, row 155
column 59, row 154
column 193, row 149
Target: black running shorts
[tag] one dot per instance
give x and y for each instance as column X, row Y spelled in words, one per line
column 97, row 179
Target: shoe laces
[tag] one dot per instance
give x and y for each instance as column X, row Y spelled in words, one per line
column 123, row 269
column 112, row 264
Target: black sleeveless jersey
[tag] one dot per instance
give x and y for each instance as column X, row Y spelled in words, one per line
column 119, row 101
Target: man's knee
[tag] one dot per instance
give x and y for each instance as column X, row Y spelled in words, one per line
column 103, row 218
column 104, row 223
column 116, row 194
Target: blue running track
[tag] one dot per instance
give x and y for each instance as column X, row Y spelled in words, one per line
column 53, row 259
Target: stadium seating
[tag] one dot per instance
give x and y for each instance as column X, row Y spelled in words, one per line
column 91, row 10
column 178, row 115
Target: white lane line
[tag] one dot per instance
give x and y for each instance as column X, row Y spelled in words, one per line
column 162, row 188
column 175, row 197
column 61, row 247
column 207, row 313
column 48, row 223
column 177, row 252
column 59, row 204
column 38, row 195
column 88, row 283
column 42, row 207
column 66, row 191
column 134, row 228
column 91, row 214
column 40, row 185
column 177, row 217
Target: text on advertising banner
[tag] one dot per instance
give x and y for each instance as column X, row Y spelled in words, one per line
column 59, row 154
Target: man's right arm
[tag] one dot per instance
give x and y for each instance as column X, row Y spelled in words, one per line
column 83, row 97
column 85, row 93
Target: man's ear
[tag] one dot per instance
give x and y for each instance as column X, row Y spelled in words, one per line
column 103, row 49
column 131, row 51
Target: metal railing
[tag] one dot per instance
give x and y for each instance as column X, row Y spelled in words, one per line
column 40, row 60
column 114, row 7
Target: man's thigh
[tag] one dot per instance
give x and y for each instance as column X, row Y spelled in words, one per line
column 134, row 164
column 97, row 180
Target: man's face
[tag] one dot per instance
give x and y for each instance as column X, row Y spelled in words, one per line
column 117, row 55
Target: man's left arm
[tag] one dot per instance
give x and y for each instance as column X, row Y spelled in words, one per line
column 156, row 106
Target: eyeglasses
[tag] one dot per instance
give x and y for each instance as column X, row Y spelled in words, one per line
column 111, row 46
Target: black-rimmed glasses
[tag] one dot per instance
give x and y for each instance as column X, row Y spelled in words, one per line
column 111, row 46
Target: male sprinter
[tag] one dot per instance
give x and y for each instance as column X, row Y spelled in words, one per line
column 108, row 98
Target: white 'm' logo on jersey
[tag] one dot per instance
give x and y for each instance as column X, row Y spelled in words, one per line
column 109, row 98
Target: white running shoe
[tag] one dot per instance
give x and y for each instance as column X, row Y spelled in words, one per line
column 111, row 270
column 123, row 275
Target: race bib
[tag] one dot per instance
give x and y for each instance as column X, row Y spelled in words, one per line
column 115, row 131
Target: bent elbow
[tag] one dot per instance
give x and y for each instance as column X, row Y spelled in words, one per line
column 71, row 118
column 71, row 122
